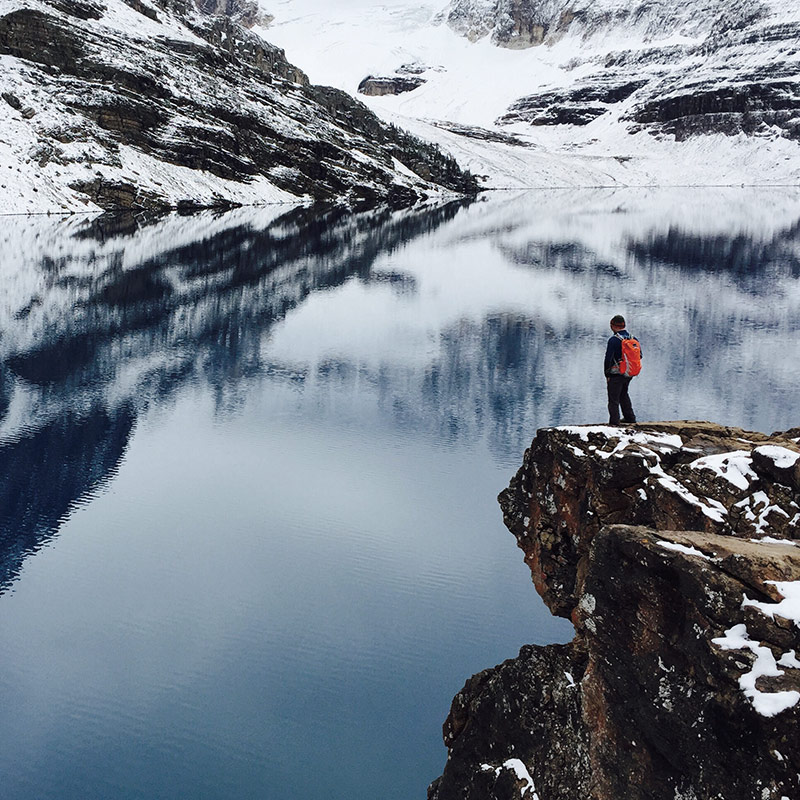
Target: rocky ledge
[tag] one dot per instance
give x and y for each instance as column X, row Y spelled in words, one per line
column 673, row 548
column 393, row 84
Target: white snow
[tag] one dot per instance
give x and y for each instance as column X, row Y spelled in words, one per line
column 473, row 83
column 682, row 548
column 735, row 467
column 711, row 508
column 789, row 660
column 757, row 508
column 467, row 83
column 732, row 466
column 782, row 457
column 30, row 187
column 521, row 771
column 788, row 608
column 767, row 704
column 624, row 437
column 773, row 540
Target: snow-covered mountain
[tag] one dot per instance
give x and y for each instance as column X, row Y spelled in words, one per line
column 571, row 92
column 164, row 103
column 169, row 103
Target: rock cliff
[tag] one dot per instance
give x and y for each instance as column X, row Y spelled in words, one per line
column 689, row 68
column 673, row 549
column 169, row 103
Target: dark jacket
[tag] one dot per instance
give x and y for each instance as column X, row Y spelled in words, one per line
column 614, row 352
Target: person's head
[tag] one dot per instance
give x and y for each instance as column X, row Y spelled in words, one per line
column 618, row 323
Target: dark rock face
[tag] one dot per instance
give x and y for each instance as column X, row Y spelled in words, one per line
column 672, row 548
column 662, row 698
column 708, row 108
column 669, row 478
column 578, row 105
column 396, row 84
column 512, row 23
column 406, row 78
column 201, row 92
column 503, row 719
column 245, row 12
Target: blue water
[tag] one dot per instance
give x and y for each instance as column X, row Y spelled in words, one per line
column 249, row 541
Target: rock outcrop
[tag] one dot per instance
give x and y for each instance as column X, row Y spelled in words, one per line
column 245, row 12
column 393, row 84
column 514, row 24
column 673, row 548
column 155, row 103
column 406, row 78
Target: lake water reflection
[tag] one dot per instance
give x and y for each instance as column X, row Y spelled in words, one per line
column 249, row 545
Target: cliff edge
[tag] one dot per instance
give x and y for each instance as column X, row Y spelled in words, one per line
column 673, row 548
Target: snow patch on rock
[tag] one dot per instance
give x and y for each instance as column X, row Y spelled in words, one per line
column 682, row 548
column 788, row 608
column 521, row 772
column 782, row 457
column 735, row 467
column 767, row 704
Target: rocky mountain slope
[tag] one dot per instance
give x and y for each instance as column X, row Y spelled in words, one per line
column 164, row 103
column 716, row 66
column 573, row 92
column 674, row 550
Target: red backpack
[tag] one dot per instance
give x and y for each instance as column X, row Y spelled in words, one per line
column 631, row 362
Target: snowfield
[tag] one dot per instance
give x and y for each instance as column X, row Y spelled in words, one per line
column 473, row 83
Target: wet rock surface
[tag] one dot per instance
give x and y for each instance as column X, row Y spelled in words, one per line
column 673, row 548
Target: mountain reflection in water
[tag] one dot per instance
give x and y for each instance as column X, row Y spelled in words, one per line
column 459, row 327
column 196, row 311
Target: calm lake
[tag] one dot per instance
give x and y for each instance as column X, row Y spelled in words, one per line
column 249, row 541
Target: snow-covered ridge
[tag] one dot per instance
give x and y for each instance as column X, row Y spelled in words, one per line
column 151, row 103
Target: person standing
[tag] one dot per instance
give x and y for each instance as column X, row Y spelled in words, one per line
column 622, row 363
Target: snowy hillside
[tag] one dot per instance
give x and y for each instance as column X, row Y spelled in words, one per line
column 157, row 104
column 571, row 92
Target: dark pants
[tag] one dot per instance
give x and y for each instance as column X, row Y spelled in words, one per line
column 618, row 396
